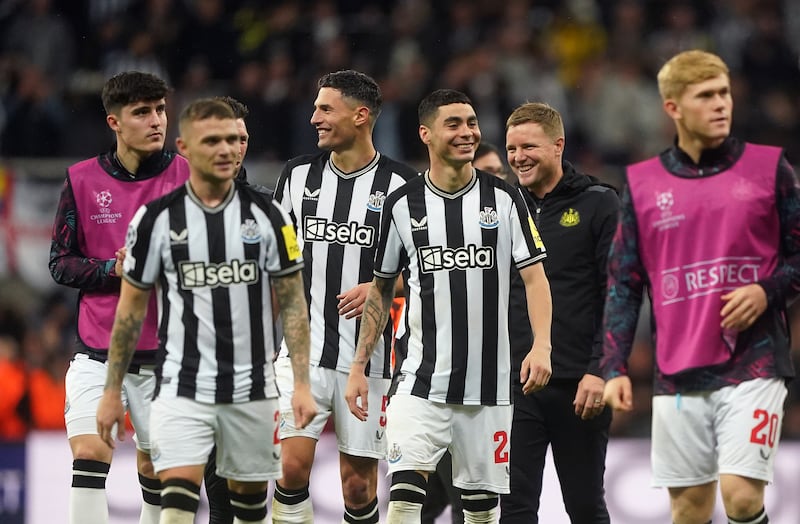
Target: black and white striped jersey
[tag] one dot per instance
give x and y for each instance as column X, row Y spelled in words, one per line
column 337, row 216
column 459, row 249
column 212, row 269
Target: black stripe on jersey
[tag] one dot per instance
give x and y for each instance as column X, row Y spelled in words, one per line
column 221, row 306
column 187, row 381
column 258, row 351
column 454, row 223
column 491, row 289
column 380, row 183
column 422, row 386
column 333, row 273
column 309, row 208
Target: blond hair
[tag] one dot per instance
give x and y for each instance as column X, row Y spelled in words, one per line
column 687, row 68
column 538, row 113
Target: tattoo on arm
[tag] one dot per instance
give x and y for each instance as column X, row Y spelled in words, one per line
column 374, row 318
column 124, row 335
column 291, row 298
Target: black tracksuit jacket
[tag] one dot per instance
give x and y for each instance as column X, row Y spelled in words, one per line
column 577, row 221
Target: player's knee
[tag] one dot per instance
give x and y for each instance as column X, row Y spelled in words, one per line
column 296, row 471
column 356, row 492
column 91, row 448
column 359, row 488
column 742, row 499
column 479, row 506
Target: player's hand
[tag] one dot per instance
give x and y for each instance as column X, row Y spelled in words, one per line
column 351, row 303
column 111, row 416
column 589, row 397
column 536, row 369
column 743, row 306
column 304, row 406
column 356, row 392
column 119, row 254
column 618, row 393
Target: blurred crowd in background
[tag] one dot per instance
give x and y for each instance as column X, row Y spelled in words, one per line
column 593, row 60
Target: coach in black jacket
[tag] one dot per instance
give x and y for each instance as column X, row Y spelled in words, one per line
column 576, row 216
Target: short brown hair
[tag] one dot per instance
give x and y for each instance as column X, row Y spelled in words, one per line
column 687, row 68
column 203, row 109
column 538, row 113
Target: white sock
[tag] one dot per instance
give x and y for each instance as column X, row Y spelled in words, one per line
column 300, row 513
column 403, row 512
column 88, row 506
column 237, row 520
column 176, row 516
column 150, row 513
column 481, row 517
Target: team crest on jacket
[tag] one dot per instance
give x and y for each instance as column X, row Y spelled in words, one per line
column 375, row 201
column 570, row 218
column 488, row 218
column 250, row 232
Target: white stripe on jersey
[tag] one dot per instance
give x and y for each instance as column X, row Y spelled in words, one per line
column 212, row 270
column 459, row 249
column 337, row 216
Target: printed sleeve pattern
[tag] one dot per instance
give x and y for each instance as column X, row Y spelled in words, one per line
column 68, row 265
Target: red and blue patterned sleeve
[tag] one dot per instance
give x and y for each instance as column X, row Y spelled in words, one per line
column 626, row 283
column 68, row 265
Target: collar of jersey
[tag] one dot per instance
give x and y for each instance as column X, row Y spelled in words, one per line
column 358, row 172
column 217, row 209
column 444, row 194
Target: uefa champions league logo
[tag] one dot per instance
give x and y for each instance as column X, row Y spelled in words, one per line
column 104, row 200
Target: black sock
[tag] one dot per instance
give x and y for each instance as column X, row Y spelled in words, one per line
column 367, row 515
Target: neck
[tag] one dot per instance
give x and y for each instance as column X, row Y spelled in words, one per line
column 541, row 189
column 355, row 157
column 694, row 146
column 210, row 193
column 129, row 159
column 450, row 178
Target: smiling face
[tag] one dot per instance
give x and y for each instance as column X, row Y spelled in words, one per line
column 453, row 135
column 335, row 119
column 211, row 146
column 534, row 157
column 702, row 113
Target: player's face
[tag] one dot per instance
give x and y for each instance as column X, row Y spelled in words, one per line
column 211, row 146
column 534, row 157
column 141, row 127
column 491, row 163
column 244, row 141
column 454, row 134
column 703, row 113
column 334, row 118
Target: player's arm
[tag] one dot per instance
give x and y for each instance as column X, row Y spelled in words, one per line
column 131, row 310
column 351, row 302
column 536, row 367
column 373, row 321
column 68, row 265
column 288, row 291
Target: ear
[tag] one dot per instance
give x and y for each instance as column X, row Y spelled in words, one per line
column 113, row 122
column 559, row 144
column 671, row 109
column 361, row 116
column 424, row 134
column 180, row 143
